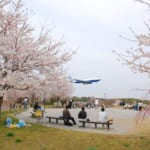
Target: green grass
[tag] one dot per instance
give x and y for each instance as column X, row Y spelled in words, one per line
column 39, row 137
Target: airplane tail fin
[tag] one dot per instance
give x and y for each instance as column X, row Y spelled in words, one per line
column 70, row 78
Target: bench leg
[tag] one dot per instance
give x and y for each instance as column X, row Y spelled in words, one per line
column 83, row 124
column 65, row 122
column 49, row 120
column 95, row 125
column 56, row 120
column 108, row 126
column 39, row 120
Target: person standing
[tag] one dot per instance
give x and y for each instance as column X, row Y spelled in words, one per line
column 140, row 105
column 96, row 103
column 70, row 103
column 25, row 104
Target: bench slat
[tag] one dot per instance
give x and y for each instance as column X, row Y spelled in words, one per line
column 55, row 118
column 95, row 123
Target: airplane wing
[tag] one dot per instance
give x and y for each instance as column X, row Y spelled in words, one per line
column 95, row 80
column 92, row 81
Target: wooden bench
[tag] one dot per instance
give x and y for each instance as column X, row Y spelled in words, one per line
column 55, row 118
column 108, row 123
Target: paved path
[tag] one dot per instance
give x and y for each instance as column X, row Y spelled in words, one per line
column 124, row 120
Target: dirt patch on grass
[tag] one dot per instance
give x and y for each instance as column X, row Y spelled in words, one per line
column 142, row 127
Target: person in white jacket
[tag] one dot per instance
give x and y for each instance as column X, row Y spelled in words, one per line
column 102, row 115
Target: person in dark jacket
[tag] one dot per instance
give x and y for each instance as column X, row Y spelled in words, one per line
column 36, row 106
column 67, row 116
column 82, row 114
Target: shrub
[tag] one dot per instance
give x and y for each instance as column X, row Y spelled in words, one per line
column 10, row 134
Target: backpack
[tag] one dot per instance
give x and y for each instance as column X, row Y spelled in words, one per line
column 8, row 121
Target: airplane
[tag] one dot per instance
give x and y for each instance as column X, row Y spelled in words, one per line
column 85, row 81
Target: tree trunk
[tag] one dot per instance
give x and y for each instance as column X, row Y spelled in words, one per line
column 1, row 102
column 32, row 100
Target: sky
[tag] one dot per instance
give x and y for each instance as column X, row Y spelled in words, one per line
column 94, row 28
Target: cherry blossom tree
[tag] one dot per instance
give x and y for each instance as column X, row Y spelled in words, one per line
column 138, row 59
column 144, row 2
column 25, row 59
column 59, row 87
column 62, row 88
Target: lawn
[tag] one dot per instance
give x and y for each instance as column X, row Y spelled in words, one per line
column 38, row 137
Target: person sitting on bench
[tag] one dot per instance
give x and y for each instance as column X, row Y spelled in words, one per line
column 67, row 116
column 82, row 114
column 36, row 106
column 102, row 116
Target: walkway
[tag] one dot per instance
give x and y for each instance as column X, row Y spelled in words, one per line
column 124, row 120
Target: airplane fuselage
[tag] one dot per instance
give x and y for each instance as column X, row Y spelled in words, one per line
column 88, row 81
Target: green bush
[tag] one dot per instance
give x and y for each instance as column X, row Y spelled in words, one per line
column 10, row 134
column 18, row 140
